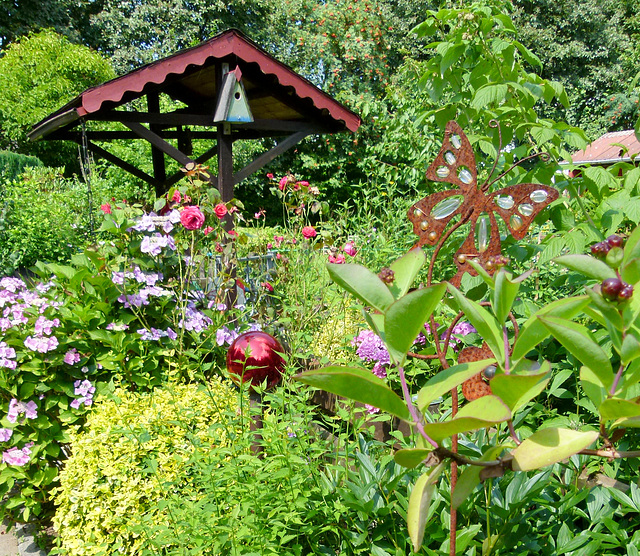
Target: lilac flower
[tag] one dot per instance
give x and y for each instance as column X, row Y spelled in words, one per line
column 153, row 245
column 144, row 224
column 44, row 326
column 12, row 284
column 5, row 435
column 84, row 390
column 41, row 344
column 6, row 355
column 225, row 336
column 17, row 456
column 155, row 334
column 171, row 334
column 463, row 328
column 379, row 370
column 72, row 357
column 16, row 408
column 370, row 348
column 7, row 297
column 194, row 320
column 117, row 327
column 44, row 287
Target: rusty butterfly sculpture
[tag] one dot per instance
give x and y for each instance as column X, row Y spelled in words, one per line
column 517, row 205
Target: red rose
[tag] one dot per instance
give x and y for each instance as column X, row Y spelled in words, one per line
column 221, row 210
column 106, row 208
column 309, row 232
column 207, row 230
column 192, row 218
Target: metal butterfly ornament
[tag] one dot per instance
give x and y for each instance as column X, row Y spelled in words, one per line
column 517, row 205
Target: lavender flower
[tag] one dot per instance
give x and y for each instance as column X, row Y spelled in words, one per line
column 6, row 355
column 17, row 456
column 370, row 348
column 16, row 408
column 72, row 357
column 5, row 435
column 225, row 336
column 194, row 320
column 41, row 344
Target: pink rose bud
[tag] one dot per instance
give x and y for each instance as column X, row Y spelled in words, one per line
column 220, row 210
column 350, row 249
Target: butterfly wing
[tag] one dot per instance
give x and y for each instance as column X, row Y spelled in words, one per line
column 519, row 204
column 455, row 164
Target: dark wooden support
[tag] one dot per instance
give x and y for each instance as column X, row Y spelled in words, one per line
column 184, row 140
column 157, row 156
column 267, row 157
column 225, row 164
column 124, row 165
column 159, row 142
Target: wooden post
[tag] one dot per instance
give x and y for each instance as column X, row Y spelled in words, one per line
column 157, row 156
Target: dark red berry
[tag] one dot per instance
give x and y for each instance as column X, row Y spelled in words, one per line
column 600, row 249
column 615, row 241
column 626, row 292
column 611, row 287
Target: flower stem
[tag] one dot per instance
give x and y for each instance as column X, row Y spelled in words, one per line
column 414, row 412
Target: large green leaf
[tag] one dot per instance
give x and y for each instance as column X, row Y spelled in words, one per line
column 447, row 379
column 405, row 269
column 616, row 408
column 504, row 295
column 478, row 414
column 375, row 322
column 593, row 387
column 470, row 477
column 406, row 317
column 533, row 331
column 359, row 385
column 549, row 446
column 362, row 283
column 516, row 390
column 419, row 502
column 483, row 321
column 577, row 340
column 587, row 265
column 630, row 268
column 411, row 457
column 489, row 94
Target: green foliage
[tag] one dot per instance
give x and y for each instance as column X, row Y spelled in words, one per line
column 38, row 75
column 133, row 453
column 13, row 164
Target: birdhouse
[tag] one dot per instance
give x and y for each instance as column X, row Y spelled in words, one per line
column 233, row 105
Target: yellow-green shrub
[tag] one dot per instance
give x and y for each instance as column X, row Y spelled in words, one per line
column 133, row 447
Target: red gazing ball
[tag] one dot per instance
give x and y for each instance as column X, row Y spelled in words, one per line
column 255, row 357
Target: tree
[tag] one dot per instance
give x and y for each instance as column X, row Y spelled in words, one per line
column 38, row 75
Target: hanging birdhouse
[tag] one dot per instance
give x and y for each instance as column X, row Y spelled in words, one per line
column 233, row 105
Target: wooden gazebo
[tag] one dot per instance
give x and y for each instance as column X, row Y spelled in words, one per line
column 231, row 89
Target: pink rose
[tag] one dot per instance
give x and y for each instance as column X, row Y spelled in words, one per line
column 350, row 249
column 283, row 182
column 192, row 218
column 309, row 232
column 176, row 197
column 336, row 259
column 221, row 210
column 106, row 208
column 267, row 286
column 207, row 230
column 270, row 176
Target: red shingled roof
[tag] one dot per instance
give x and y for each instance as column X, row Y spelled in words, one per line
column 617, row 146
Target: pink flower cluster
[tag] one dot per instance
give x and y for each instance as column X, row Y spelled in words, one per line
column 7, row 356
column 16, row 408
column 72, row 357
column 42, row 341
column 85, row 391
column 336, row 257
column 17, row 456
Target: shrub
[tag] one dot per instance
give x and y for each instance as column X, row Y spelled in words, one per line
column 133, row 454
column 13, row 164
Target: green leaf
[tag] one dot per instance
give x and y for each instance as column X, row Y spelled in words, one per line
column 405, row 269
column 587, row 265
column 483, row 321
column 549, row 446
column 362, row 283
column 577, row 340
column 630, row 268
column 489, row 94
column 516, row 390
column 375, row 322
column 405, row 319
column 593, row 387
column 447, row 379
column 419, row 502
column 630, row 349
column 529, row 56
column 504, row 295
column 359, row 385
column 486, row 277
column 616, row 408
column 478, row 414
column 533, row 331
column 411, row 457
column 470, row 477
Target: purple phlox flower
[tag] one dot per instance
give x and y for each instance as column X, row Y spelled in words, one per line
column 117, row 326
column 154, row 291
column 7, row 353
column 371, row 348
column 379, row 370
column 372, row 410
column 7, row 297
column 218, row 306
column 41, row 344
column 17, row 456
column 44, row 287
column 16, row 408
column 118, row 277
column 5, row 324
column 85, row 369
column 460, row 329
column 85, row 391
column 15, row 315
column 148, row 278
column 153, row 245
column 225, row 336
column 72, row 357
column 5, row 435
column 32, row 299
column 194, row 320
column 135, row 300
column 44, row 326
column 154, row 334
column 255, row 327
column 12, row 284
column 145, row 224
